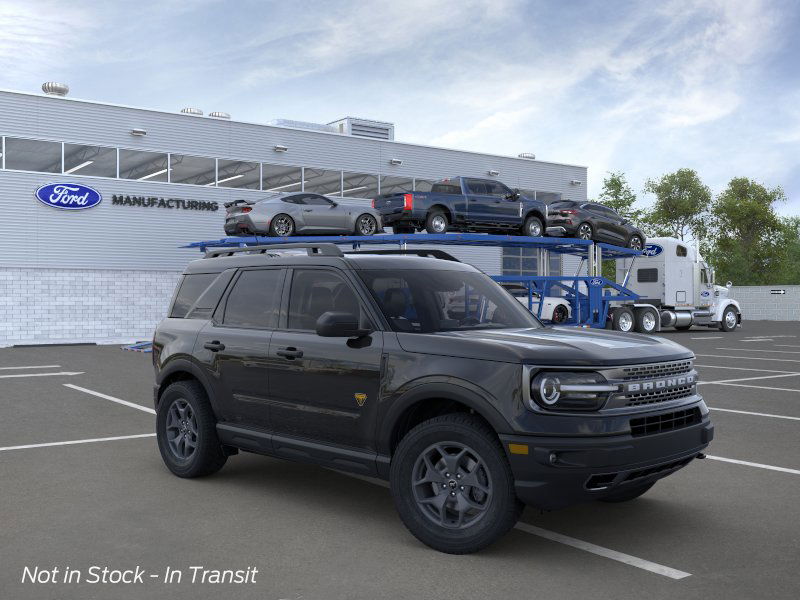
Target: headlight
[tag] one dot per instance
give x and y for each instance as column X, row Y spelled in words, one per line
column 570, row 390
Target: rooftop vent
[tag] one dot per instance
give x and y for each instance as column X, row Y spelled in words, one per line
column 219, row 115
column 192, row 111
column 377, row 130
column 527, row 155
column 51, row 88
column 302, row 125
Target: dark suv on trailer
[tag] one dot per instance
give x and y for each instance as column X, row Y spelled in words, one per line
column 421, row 371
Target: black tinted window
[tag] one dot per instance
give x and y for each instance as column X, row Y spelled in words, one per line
column 294, row 199
column 476, row 186
column 647, row 275
column 254, row 299
column 316, row 291
column 446, row 188
column 191, row 288
column 317, row 200
column 681, row 251
column 495, row 188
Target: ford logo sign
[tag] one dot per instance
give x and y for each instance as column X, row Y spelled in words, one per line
column 652, row 250
column 705, row 294
column 68, row 196
column 596, row 281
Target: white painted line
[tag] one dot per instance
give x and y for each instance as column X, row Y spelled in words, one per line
column 742, row 369
column 32, row 367
column 734, row 380
column 787, row 345
column 72, row 442
column 748, row 358
column 758, row 340
column 106, row 397
column 569, row 541
column 67, row 373
column 751, row 350
column 752, row 464
column 755, row 414
column 605, row 552
column 708, row 337
column 758, row 387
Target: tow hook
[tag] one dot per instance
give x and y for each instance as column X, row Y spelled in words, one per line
column 700, row 455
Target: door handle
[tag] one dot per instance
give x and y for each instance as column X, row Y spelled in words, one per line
column 214, row 346
column 290, row 353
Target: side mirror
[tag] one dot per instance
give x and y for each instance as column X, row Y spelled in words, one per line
column 340, row 324
column 334, row 204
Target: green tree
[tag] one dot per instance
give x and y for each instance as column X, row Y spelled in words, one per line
column 750, row 243
column 618, row 195
column 681, row 206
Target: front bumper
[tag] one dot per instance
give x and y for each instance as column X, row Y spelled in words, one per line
column 588, row 468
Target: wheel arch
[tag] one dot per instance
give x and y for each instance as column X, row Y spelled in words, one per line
column 444, row 208
column 183, row 370
column 535, row 212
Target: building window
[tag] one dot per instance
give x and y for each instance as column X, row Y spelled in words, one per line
column 396, row 185
column 144, row 166
column 321, row 181
column 279, row 178
column 33, row 155
column 194, row 170
column 96, row 161
column 238, row 174
column 359, row 185
column 525, row 261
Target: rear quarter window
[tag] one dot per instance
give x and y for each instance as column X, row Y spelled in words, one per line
column 446, row 188
column 189, row 290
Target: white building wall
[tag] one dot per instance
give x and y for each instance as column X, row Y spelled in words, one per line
column 759, row 303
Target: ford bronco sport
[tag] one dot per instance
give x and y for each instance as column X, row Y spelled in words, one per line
column 421, row 371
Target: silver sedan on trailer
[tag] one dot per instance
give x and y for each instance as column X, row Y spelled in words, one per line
column 300, row 213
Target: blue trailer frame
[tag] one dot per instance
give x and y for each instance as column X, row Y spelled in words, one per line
column 589, row 296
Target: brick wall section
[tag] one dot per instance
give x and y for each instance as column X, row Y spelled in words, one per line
column 759, row 304
column 48, row 306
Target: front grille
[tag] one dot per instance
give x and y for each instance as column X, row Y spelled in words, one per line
column 641, row 398
column 678, row 367
column 665, row 422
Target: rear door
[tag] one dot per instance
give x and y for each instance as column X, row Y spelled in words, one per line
column 234, row 345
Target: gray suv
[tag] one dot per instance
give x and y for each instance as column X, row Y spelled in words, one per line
column 421, row 371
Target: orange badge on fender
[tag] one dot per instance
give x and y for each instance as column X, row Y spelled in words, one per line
column 360, row 398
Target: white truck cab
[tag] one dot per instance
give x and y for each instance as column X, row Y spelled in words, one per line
column 677, row 289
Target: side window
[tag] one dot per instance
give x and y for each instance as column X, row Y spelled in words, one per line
column 298, row 199
column 495, row 188
column 315, row 292
column 316, row 200
column 476, row 186
column 254, row 300
column 189, row 291
column 704, row 276
column 647, row 275
column 681, row 250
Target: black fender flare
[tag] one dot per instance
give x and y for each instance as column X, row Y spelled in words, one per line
column 186, row 365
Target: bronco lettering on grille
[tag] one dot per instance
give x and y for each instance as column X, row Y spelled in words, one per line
column 659, row 384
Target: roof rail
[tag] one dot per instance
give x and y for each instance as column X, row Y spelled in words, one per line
column 423, row 252
column 321, row 249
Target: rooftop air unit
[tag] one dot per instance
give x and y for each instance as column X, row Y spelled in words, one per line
column 219, row 115
column 302, row 125
column 377, row 130
column 192, row 111
column 51, row 88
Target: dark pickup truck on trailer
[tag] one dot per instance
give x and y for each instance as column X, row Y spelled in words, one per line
column 421, row 371
column 463, row 204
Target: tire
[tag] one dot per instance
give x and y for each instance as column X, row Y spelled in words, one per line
column 282, row 225
column 628, row 494
column 635, row 242
column 406, row 229
column 366, row 225
column 184, row 408
column 487, row 510
column 560, row 313
column 584, row 232
column 623, row 320
column 645, row 321
column 436, row 222
column 533, row 227
column 729, row 319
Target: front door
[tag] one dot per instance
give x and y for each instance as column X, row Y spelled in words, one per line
column 324, row 215
column 487, row 204
column 234, row 346
column 324, row 389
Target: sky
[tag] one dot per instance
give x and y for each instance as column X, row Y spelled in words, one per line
column 639, row 87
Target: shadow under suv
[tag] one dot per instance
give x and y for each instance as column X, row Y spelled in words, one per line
column 421, row 371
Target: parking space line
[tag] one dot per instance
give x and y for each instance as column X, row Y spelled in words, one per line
column 743, row 369
column 66, row 373
column 788, row 345
column 111, row 398
column 752, row 464
column 758, row 387
column 633, row 561
column 755, row 414
column 708, row 337
column 748, row 358
column 31, row 367
column 73, row 442
column 758, row 340
column 742, row 379
column 751, row 350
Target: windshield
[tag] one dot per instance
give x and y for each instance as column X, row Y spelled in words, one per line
column 430, row 301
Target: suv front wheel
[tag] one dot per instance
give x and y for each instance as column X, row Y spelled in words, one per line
column 186, row 431
column 452, row 484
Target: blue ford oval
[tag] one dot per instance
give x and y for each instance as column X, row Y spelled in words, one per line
column 68, row 196
column 652, row 250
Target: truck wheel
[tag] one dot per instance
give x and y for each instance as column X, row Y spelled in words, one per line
column 729, row 319
column 560, row 314
column 186, row 431
column 436, row 222
column 533, row 227
column 452, row 484
column 628, row 494
column 645, row 321
column 622, row 320
column 281, row 226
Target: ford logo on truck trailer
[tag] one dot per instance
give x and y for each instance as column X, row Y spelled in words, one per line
column 68, row 196
column 652, row 250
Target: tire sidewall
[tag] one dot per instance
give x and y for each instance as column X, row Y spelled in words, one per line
column 591, row 231
column 272, row 231
column 526, row 228
column 374, row 221
column 429, row 222
column 723, row 323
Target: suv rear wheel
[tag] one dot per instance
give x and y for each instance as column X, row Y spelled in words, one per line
column 186, row 431
column 452, row 484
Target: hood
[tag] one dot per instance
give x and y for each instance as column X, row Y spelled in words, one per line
column 571, row 346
